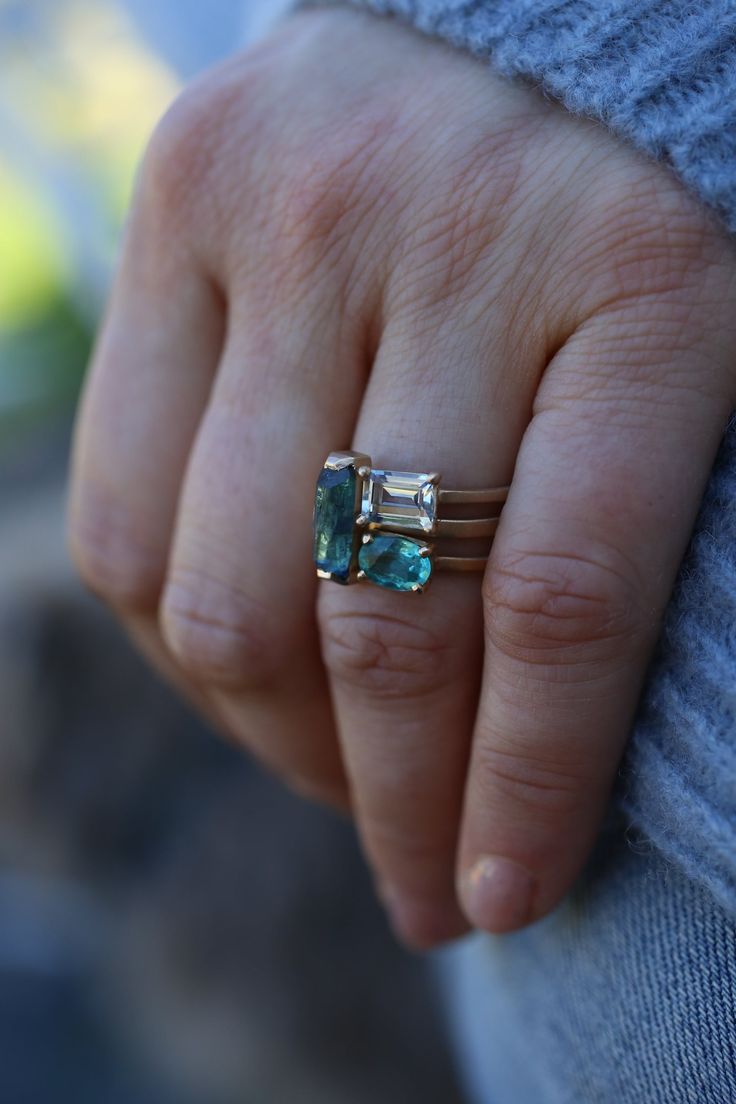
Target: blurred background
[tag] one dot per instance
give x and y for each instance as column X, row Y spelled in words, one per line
column 174, row 927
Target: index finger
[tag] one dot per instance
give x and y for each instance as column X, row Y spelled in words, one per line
column 609, row 476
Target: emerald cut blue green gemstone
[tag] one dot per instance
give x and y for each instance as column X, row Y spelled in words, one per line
column 395, row 562
column 334, row 516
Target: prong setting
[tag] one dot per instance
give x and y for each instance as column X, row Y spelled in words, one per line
column 380, row 526
column 400, row 502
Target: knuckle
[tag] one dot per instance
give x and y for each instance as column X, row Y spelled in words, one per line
column 415, row 858
column 180, row 150
column 212, row 126
column 319, row 193
column 327, row 193
column 109, row 550
column 448, row 253
column 217, row 634
column 384, row 656
column 646, row 237
column 473, row 202
column 401, row 844
column 561, row 609
column 620, row 378
column 532, row 784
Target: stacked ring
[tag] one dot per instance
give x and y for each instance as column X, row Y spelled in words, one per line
column 392, row 528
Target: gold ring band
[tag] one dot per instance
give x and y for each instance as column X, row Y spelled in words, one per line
column 392, row 528
column 492, row 495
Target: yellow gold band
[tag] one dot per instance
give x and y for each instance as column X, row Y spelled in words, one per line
column 395, row 529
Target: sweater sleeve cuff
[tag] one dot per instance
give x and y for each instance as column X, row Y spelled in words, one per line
column 659, row 73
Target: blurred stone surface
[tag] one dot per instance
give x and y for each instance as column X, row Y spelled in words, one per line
column 175, row 928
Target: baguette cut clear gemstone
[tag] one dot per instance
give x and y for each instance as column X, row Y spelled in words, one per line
column 400, row 500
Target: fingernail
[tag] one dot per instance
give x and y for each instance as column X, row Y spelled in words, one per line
column 497, row 894
column 422, row 924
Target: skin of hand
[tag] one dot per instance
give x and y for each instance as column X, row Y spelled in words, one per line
column 352, row 236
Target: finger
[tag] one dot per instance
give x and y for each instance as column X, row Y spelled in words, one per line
column 144, row 633
column 146, row 391
column 404, row 669
column 147, row 388
column 238, row 606
column 151, row 381
column 605, row 492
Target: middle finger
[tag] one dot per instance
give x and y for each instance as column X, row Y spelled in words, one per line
column 404, row 668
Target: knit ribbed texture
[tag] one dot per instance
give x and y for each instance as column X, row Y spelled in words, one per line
column 662, row 74
column 679, row 777
column 625, row 995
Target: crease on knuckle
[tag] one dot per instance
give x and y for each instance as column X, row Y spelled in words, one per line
column 217, row 634
column 419, row 852
column 561, row 609
column 384, row 656
column 112, row 556
column 600, row 389
column 631, row 362
column 530, row 782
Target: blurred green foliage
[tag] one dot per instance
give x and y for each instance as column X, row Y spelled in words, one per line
column 44, row 342
column 79, row 93
column 41, row 367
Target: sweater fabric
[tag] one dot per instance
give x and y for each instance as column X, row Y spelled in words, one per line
column 624, row 995
column 662, row 75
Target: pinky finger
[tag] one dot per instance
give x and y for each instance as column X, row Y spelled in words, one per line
column 146, row 390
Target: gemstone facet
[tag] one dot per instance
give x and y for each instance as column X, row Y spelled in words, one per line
column 397, row 563
column 335, row 509
column 400, row 500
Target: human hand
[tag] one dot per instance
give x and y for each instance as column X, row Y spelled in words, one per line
column 355, row 236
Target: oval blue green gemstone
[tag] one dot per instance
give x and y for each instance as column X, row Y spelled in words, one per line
column 334, row 516
column 395, row 562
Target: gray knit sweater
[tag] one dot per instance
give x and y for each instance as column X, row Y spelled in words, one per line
column 662, row 75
